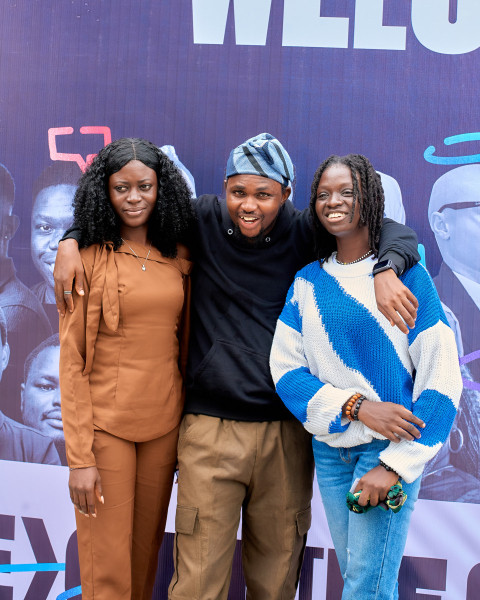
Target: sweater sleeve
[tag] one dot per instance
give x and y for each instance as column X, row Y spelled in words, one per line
column 399, row 244
column 77, row 411
column 315, row 404
column 438, row 383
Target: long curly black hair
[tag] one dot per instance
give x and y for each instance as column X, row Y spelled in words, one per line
column 173, row 217
column 367, row 190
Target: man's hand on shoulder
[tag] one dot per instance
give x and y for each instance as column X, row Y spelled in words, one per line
column 395, row 301
column 68, row 267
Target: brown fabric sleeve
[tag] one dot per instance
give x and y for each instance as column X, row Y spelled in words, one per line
column 77, row 410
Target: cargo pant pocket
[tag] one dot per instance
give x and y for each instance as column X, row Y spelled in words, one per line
column 186, row 555
column 303, row 520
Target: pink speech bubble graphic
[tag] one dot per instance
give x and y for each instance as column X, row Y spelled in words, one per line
column 83, row 164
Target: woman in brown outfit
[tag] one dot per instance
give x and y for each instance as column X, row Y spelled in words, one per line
column 120, row 375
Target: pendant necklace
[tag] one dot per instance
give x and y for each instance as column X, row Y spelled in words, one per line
column 136, row 255
column 353, row 261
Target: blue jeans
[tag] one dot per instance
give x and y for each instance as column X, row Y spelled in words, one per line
column 369, row 546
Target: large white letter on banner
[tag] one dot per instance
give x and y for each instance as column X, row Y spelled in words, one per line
column 433, row 29
column 251, row 21
column 303, row 26
column 371, row 33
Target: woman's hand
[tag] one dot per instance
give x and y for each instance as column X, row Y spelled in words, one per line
column 395, row 301
column 391, row 420
column 85, row 484
column 375, row 485
column 68, row 266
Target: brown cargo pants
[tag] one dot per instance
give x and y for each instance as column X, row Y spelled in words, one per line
column 263, row 470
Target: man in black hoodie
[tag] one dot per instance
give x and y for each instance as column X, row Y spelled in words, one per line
column 240, row 451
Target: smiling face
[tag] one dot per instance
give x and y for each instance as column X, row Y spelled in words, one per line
column 41, row 394
column 133, row 194
column 336, row 207
column 52, row 215
column 253, row 203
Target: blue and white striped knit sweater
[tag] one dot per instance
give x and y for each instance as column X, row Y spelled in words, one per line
column 331, row 341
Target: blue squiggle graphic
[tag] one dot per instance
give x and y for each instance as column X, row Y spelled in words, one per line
column 24, row 568
column 71, row 593
column 32, row 567
column 428, row 155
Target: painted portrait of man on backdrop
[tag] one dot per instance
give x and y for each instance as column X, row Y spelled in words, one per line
column 26, row 320
column 52, row 215
column 454, row 217
column 19, row 442
column 40, row 393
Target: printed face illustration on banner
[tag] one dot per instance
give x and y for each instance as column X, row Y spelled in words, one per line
column 454, row 216
column 41, row 390
column 52, row 214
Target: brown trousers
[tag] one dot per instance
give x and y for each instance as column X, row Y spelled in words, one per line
column 118, row 550
column 262, row 470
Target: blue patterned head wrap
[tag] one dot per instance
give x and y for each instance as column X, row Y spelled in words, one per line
column 261, row 155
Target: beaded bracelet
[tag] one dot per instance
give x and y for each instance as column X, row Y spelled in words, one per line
column 386, row 467
column 350, row 404
column 357, row 408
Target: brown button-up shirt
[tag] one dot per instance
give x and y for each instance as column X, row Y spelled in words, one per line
column 120, row 349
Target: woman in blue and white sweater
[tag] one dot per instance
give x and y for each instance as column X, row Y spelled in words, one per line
column 379, row 403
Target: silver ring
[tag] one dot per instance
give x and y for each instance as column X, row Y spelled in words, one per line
column 66, row 292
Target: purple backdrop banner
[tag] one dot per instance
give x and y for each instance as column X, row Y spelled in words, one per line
column 396, row 81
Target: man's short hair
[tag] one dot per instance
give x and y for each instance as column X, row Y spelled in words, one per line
column 52, row 341
column 58, row 173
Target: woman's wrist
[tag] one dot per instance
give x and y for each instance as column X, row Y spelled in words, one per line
column 356, row 408
column 388, row 468
column 78, row 468
column 352, row 406
column 349, row 406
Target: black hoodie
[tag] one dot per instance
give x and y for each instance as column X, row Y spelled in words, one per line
column 238, row 292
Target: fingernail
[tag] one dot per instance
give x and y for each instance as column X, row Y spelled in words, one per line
column 102, row 500
column 81, row 293
column 94, row 515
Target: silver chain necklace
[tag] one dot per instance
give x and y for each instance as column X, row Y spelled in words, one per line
column 136, row 255
column 354, row 261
